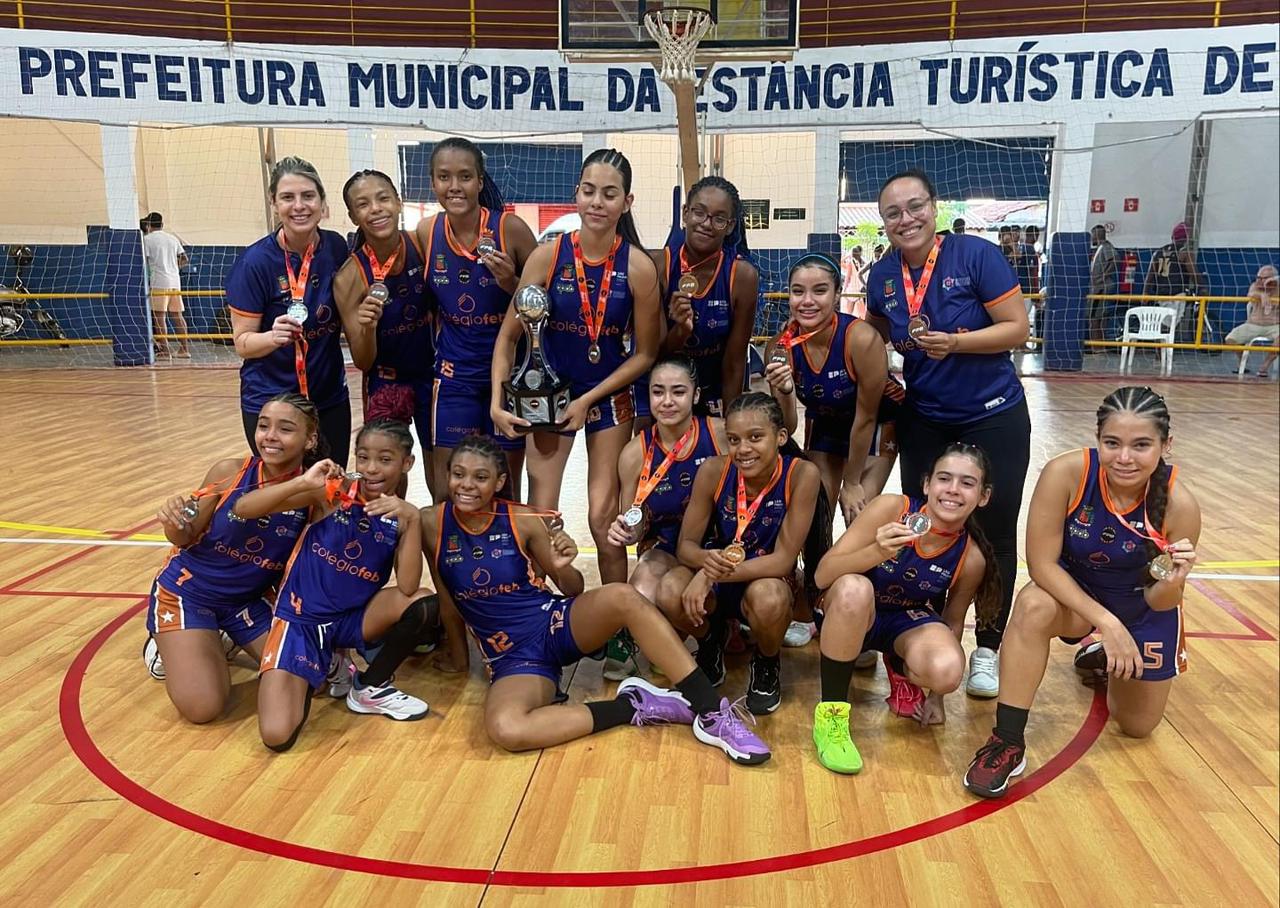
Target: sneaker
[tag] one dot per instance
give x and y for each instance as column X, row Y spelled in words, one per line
column 866, row 659
column 151, row 658
column 341, row 668
column 764, row 688
column 710, row 658
column 995, row 763
column 984, row 674
column 726, row 728
column 1091, row 664
column 620, row 657
column 655, row 705
column 385, row 701
column 229, row 647
column 905, row 697
column 836, row 750
column 799, row 633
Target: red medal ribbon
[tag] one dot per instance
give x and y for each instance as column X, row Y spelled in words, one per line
column 223, row 484
column 334, row 494
column 1159, row 538
column 480, row 231
column 686, row 268
column 789, row 338
column 647, row 483
column 380, row 269
column 915, row 297
column 745, row 513
column 594, row 319
column 297, row 294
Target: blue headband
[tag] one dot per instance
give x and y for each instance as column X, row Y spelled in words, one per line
column 817, row 257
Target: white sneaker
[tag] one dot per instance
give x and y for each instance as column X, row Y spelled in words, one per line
column 386, row 701
column 984, row 673
column 228, row 646
column 799, row 633
column 151, row 658
column 866, row 659
column 340, row 670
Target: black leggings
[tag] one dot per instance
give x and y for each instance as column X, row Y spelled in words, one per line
column 335, row 429
column 1006, row 437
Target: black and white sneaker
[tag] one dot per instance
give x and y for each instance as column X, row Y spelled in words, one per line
column 151, row 658
column 1091, row 664
column 764, row 689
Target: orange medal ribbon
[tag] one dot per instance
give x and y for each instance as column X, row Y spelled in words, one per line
column 297, row 294
column 915, row 296
column 380, row 269
column 745, row 513
column 594, row 319
column 686, row 268
column 789, row 338
column 649, row 483
column 480, row 231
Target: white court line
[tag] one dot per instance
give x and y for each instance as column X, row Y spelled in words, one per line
column 35, row 540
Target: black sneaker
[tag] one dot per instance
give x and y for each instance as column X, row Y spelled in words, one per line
column 1091, row 664
column 764, row 688
column 710, row 657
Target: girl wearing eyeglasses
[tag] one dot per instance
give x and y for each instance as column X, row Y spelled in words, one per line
column 953, row 308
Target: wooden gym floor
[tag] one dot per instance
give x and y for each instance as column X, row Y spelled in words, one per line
column 108, row 799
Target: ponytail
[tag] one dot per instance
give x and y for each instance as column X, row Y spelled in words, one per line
column 1155, row 507
column 989, row 599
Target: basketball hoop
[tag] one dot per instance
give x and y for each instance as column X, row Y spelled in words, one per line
column 678, row 29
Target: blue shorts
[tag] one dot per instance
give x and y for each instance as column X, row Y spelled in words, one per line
column 305, row 650
column 1160, row 639
column 386, row 397
column 615, row 410
column 172, row 611
column 889, row 625
column 640, row 392
column 830, row 435
column 544, row 652
column 459, row 408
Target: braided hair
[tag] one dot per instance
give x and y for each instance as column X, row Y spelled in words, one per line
column 482, row 446
column 393, row 429
column 1148, row 404
column 311, row 417
column 618, row 161
column 350, row 184
column 490, row 194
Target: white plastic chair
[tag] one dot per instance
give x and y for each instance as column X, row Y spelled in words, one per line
column 1149, row 323
column 1244, row 354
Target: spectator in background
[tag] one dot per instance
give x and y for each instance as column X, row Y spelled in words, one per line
column 165, row 256
column 1262, row 318
column 958, row 226
column 1029, row 261
column 1104, row 279
column 1173, row 273
column 854, row 282
column 1009, row 247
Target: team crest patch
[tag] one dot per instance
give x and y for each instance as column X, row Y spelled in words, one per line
column 889, row 289
column 1108, row 534
column 566, row 273
column 452, row 544
column 283, row 282
column 1084, row 516
column 440, row 263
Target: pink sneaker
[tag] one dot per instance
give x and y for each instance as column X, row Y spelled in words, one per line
column 905, row 698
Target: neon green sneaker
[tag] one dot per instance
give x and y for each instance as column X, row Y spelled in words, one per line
column 831, row 736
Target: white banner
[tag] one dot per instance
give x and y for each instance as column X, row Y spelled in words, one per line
column 1133, row 76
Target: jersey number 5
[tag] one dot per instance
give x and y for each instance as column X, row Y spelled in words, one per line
column 1152, row 657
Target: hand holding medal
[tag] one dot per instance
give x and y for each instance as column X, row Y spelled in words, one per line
column 917, row 322
column 735, row 552
column 298, row 312
column 370, row 309
column 778, row 370
column 636, row 517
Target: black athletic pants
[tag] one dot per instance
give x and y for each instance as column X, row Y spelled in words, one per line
column 335, row 429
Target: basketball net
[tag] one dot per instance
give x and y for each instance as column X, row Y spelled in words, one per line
column 677, row 31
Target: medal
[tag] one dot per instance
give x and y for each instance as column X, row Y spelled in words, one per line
column 633, row 517
column 486, row 246
column 734, row 553
column 1162, row 566
column 918, row 523
column 594, row 316
column 297, row 311
column 191, row 510
column 688, row 284
column 378, row 291
column 918, row 324
column 480, row 243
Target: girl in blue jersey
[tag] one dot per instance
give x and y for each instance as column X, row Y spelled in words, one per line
column 389, row 334
column 222, row 572
column 755, row 504
column 1111, row 541
column 835, row 365
column 292, row 268
column 488, row 557
column 656, row 472
column 882, row 578
column 602, row 335
column 476, row 251
column 953, row 308
column 335, row 592
column 712, row 324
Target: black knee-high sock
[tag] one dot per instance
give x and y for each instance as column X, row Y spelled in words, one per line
column 696, row 688
column 397, row 644
column 610, row 713
column 1011, row 723
column 836, row 677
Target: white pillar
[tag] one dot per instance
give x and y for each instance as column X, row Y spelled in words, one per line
column 1069, row 180
column 118, row 171
column 826, row 180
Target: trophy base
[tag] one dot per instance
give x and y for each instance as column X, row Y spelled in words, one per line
column 543, row 409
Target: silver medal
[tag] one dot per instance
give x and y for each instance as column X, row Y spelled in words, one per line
column 486, row 246
column 633, row 517
column 297, row 311
column 918, row 523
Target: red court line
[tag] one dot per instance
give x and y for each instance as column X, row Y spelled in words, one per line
column 1231, row 609
column 83, row 746
column 69, row 594
column 74, row 556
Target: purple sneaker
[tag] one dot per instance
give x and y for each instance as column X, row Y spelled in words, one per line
column 726, row 728
column 655, row 705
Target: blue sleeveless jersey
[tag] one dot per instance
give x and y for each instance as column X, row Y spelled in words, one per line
column 492, row 580
column 712, row 319
column 235, row 560
column 762, row 532
column 828, row 388
column 911, row 579
column 338, row 566
column 405, row 330
column 565, row 336
column 472, row 305
column 258, row 287
column 669, row 500
column 1107, row 559
column 971, row 275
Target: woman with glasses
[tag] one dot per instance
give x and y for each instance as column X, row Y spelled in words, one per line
column 953, row 308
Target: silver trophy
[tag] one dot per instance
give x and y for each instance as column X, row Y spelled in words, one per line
column 535, row 393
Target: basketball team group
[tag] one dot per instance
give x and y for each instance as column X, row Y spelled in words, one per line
column 303, row 554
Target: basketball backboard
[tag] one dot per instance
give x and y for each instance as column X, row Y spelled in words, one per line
column 616, row 27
